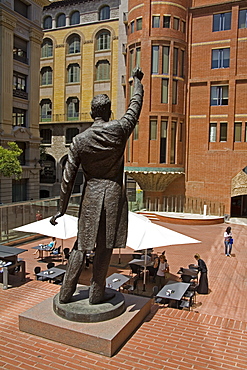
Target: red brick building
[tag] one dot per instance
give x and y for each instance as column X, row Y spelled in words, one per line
column 192, row 134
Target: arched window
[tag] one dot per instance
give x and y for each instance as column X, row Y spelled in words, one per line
column 73, row 73
column 47, row 22
column 72, row 109
column 104, row 13
column 45, row 110
column 47, row 48
column 103, row 40
column 103, row 70
column 61, row 20
column 75, row 18
column 74, row 44
column 46, row 76
column 70, row 133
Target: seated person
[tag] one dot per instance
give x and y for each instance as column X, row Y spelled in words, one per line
column 51, row 245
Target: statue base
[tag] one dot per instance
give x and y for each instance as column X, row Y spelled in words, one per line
column 79, row 309
column 104, row 338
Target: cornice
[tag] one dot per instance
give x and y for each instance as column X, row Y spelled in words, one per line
column 7, row 20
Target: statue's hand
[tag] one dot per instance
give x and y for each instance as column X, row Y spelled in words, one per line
column 137, row 72
column 53, row 219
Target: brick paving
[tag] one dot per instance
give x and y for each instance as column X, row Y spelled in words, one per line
column 211, row 336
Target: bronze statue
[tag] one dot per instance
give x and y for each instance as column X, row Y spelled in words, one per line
column 103, row 215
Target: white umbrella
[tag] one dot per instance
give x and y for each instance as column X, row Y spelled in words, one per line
column 67, row 227
column 143, row 234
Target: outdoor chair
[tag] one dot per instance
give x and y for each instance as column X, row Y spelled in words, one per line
column 135, row 269
column 158, row 299
column 131, row 287
column 56, row 252
column 66, row 253
column 37, row 269
column 50, row 265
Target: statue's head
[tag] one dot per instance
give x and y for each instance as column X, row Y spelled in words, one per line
column 101, row 107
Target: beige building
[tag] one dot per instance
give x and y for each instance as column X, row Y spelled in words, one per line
column 20, row 40
column 82, row 56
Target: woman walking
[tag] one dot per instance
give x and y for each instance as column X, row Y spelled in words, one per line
column 228, row 241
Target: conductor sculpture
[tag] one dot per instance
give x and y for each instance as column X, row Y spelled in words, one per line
column 103, row 215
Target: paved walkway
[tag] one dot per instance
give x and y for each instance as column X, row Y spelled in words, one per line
column 211, row 336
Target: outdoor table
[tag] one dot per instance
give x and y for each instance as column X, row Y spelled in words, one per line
column 51, row 273
column 140, row 262
column 115, row 281
column 173, row 290
column 190, row 272
column 9, row 254
column 42, row 248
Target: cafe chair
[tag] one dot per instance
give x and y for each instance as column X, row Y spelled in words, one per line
column 66, row 253
column 50, row 265
column 135, row 269
column 190, row 294
column 130, row 288
column 158, row 300
column 56, row 252
column 36, row 270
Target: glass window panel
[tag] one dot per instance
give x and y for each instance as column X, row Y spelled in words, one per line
column 166, row 21
column 132, row 27
column 163, row 141
column 223, row 131
column 73, row 73
column 156, row 21
column 138, row 57
column 174, row 91
column 219, row 95
column 164, row 90
column 103, row 70
column 46, row 110
column 222, row 22
column 74, row 44
column 183, row 26
column 45, row 135
column 70, row 133
column 182, row 63
column 173, row 142
column 175, row 62
column 47, row 24
column 136, row 131
column 131, row 61
column 104, row 13
column 46, row 76
column 242, row 20
column 237, row 131
column 47, row 49
column 220, row 58
column 153, row 129
column 212, row 132
column 165, row 59
column 245, row 136
column 73, row 108
column 104, row 41
column 139, row 24
column 75, row 18
column 176, row 23
column 61, row 20
column 155, row 59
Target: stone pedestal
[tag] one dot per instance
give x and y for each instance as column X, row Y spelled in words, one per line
column 104, row 337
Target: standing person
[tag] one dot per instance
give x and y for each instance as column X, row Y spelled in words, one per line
column 203, row 281
column 103, row 214
column 162, row 271
column 228, row 241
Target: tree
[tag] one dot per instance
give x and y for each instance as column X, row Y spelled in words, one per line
column 9, row 162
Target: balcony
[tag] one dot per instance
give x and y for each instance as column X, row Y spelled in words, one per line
column 81, row 117
column 20, row 58
column 20, row 94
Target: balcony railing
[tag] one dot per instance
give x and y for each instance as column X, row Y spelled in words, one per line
column 20, row 58
column 20, row 94
column 84, row 117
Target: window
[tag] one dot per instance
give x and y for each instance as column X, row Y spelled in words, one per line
column 45, row 134
column 104, row 13
column 103, row 41
column 75, row 18
column 183, row 26
column 132, row 26
column 237, row 132
column 70, row 133
column 139, row 24
column 155, row 59
column 20, row 50
column 165, row 59
column 19, row 117
column 73, row 73
column 223, row 131
column 212, row 132
column 219, row 95
column 72, row 109
column 182, row 63
column 245, row 136
column 156, row 21
column 131, row 61
column 222, row 22
column 47, row 48
column 176, row 23
column 74, row 46
column 136, row 132
column 164, row 90
column 47, row 22
column 19, row 190
column 46, row 110
column 163, row 141
column 173, row 142
column 21, row 8
column 242, row 19
column 61, row 20
column 174, row 91
column 19, row 81
column 22, row 158
column 103, row 70
column 220, row 58
column 138, row 57
column 166, row 21
column 153, row 129
column 46, row 76
column 175, row 62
